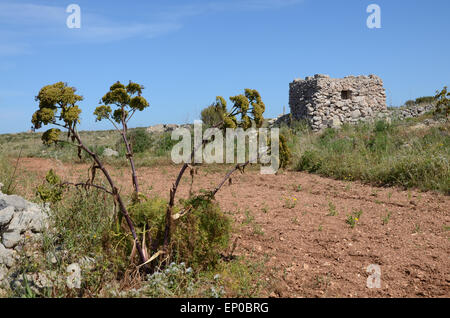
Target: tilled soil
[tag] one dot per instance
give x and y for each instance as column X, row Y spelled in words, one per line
column 296, row 224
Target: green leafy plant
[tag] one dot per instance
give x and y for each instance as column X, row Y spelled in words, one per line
column 290, row 203
column 58, row 107
column 353, row 219
column 410, row 103
column 425, row 99
column 443, row 102
column 126, row 100
column 386, row 218
column 50, row 191
column 247, row 111
column 203, row 234
column 247, row 108
column 332, row 209
column 140, row 140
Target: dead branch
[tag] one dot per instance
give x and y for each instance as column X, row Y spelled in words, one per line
column 156, row 255
column 240, row 166
column 86, row 186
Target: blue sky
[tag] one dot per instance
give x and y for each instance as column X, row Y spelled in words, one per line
column 187, row 52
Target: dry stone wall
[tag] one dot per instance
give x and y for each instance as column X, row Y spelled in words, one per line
column 405, row 112
column 327, row 102
column 21, row 226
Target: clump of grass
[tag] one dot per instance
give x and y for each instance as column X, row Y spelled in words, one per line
column 5, row 171
column 249, row 218
column 386, row 219
column 265, row 209
column 382, row 154
column 81, row 231
column 9, row 175
column 332, row 209
column 290, row 203
column 257, row 229
column 353, row 219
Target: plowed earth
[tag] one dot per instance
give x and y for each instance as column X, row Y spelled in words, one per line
column 296, row 224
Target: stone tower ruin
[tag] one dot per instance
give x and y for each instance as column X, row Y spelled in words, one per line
column 330, row 102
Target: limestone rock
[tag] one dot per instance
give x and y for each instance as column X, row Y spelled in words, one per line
column 15, row 201
column 336, row 122
column 6, row 215
column 11, row 239
column 161, row 128
column 7, row 256
column 170, row 127
column 156, row 128
column 20, row 221
column 356, row 114
column 108, row 152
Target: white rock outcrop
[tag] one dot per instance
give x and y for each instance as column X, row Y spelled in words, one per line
column 21, row 223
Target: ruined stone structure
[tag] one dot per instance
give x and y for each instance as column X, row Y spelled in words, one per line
column 328, row 102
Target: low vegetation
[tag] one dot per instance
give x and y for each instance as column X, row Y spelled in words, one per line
column 383, row 154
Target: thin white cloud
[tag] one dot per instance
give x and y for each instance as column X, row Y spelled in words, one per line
column 11, row 49
column 178, row 12
column 49, row 22
column 30, row 14
column 22, row 22
column 111, row 33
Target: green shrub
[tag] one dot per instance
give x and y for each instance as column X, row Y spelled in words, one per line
column 442, row 102
column 310, row 161
column 164, row 144
column 199, row 236
column 50, row 191
column 211, row 116
column 140, row 140
column 202, row 236
column 149, row 215
column 410, row 103
column 425, row 99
